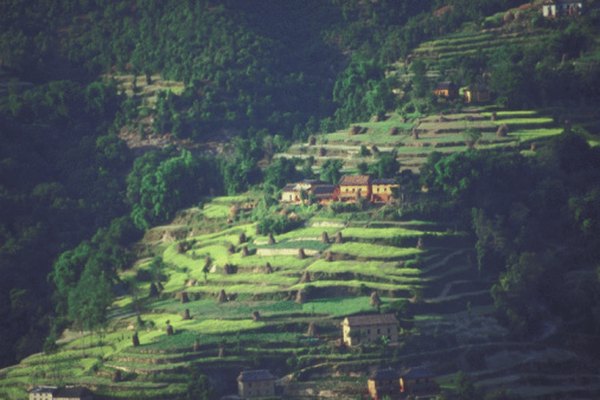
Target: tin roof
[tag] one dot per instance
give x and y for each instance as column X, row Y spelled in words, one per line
column 372, row 319
column 355, row 180
column 255, row 375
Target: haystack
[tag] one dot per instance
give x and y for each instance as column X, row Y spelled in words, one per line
column 312, row 141
column 222, row 297
column 245, row 251
column 135, row 339
column 196, row 346
column 420, row 243
column 231, row 249
column 186, row 314
column 255, row 316
column 322, row 151
column 242, row 238
column 268, row 268
column 502, row 130
column 339, row 239
column 312, row 330
column 300, row 297
column 271, row 239
column 301, row 254
column 183, row 297
column 305, row 277
column 375, row 299
column 325, row 238
column 394, row 131
column 153, row 290
column 170, row 330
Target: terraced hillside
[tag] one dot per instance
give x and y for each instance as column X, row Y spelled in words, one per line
column 272, row 295
column 415, row 137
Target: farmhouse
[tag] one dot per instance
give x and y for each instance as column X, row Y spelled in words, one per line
column 382, row 190
column 353, row 187
column 364, row 329
column 54, row 393
column 256, row 383
column 559, row 8
column 384, row 382
column 419, row 382
column 477, row 94
column 448, row 90
column 325, row 194
column 296, row 193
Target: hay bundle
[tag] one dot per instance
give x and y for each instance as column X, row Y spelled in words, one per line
column 420, row 243
column 183, row 297
column 221, row 350
column 268, row 268
column 494, row 116
column 305, row 277
column 322, row 151
column 502, row 130
column 170, row 330
column 233, row 212
column 153, row 290
column 312, row 330
column 186, row 314
column 135, row 339
column 242, row 238
column 374, row 150
column 245, row 251
column 255, row 316
column 222, row 296
column 312, row 141
column 339, row 239
column 508, row 17
column 300, row 297
column 325, row 238
column 117, row 376
column 271, row 239
column 229, row 269
column 190, row 282
column 533, row 146
column 231, row 249
column 375, row 299
column 328, row 256
column 394, row 131
column 301, row 254
column 355, row 130
column 196, row 346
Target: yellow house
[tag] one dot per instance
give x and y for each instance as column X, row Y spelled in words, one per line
column 353, row 187
column 384, row 382
column 42, row 392
column 255, row 384
column 366, row 329
column 447, row 90
column 290, row 194
column 382, row 190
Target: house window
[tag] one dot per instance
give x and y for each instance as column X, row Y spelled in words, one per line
column 378, row 331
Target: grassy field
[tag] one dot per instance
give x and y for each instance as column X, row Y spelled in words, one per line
column 373, row 250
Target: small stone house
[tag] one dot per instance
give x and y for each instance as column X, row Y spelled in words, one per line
column 559, row 8
column 477, row 94
column 419, row 382
column 289, row 194
column 448, row 90
column 295, row 193
column 384, row 382
column 382, row 190
column 365, row 329
column 255, row 384
column 353, row 187
column 42, row 392
column 54, row 393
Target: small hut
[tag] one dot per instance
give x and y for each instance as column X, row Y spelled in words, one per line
column 222, row 296
column 301, row 254
column 135, row 339
column 242, row 238
column 271, row 239
column 502, row 130
column 186, row 314
column 339, row 239
column 255, row 316
column 170, row 330
column 305, row 277
column 325, row 238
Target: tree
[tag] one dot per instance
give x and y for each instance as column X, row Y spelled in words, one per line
column 198, row 386
column 387, row 166
column 89, row 300
column 331, row 171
